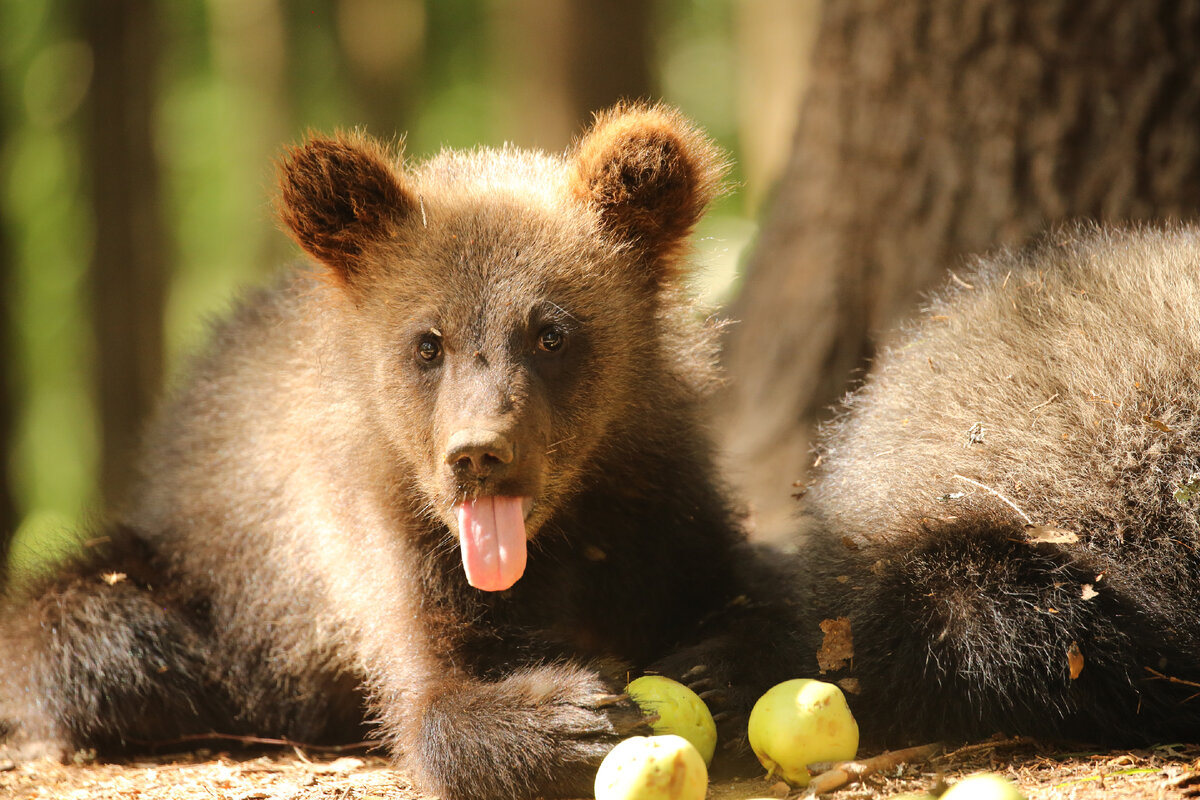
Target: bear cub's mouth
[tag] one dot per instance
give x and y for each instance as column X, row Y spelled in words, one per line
column 491, row 536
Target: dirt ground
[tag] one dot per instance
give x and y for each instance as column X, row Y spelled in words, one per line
column 1169, row 771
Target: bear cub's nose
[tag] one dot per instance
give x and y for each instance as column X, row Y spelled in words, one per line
column 478, row 450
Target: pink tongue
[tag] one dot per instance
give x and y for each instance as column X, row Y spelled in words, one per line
column 491, row 534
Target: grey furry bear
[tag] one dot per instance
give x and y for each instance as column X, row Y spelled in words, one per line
column 1007, row 512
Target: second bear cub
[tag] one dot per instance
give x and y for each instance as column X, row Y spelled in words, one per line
column 1007, row 507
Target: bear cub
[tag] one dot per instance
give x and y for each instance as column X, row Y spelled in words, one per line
column 1011, row 500
column 450, row 488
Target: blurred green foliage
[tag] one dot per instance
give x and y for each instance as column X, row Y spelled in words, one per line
column 44, row 71
column 238, row 79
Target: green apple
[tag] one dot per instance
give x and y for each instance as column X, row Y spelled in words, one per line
column 652, row 768
column 680, row 711
column 984, row 786
column 799, row 722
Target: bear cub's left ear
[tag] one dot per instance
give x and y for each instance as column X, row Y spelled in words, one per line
column 651, row 174
column 339, row 195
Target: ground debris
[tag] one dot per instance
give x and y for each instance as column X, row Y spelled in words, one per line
column 1041, row 770
column 224, row 777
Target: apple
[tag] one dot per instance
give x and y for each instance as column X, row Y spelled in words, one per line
column 799, row 722
column 984, row 786
column 680, row 711
column 652, row 768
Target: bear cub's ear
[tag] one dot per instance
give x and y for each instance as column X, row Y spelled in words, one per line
column 651, row 174
column 338, row 195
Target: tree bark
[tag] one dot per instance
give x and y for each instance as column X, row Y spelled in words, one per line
column 129, row 261
column 932, row 130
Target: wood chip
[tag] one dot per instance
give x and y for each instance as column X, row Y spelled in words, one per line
column 837, row 648
column 1045, row 534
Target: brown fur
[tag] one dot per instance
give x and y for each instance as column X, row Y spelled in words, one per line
column 651, row 174
column 299, row 572
column 1065, row 380
column 335, row 228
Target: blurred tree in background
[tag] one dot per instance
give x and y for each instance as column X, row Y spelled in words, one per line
column 136, row 147
column 128, row 269
column 8, row 507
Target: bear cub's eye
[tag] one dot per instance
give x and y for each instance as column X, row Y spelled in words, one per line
column 429, row 348
column 551, row 338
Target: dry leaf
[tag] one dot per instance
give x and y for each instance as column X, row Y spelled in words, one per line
column 1089, row 592
column 1158, row 423
column 850, row 685
column 1045, row 534
column 837, row 648
column 1188, row 490
column 1075, row 660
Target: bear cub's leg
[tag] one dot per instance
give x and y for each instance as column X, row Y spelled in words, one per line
column 103, row 658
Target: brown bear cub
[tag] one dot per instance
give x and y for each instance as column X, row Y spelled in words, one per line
column 1014, row 495
column 451, row 489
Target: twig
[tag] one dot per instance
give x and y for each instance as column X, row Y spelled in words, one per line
column 837, row 775
column 988, row 745
column 1045, row 402
column 1004, row 499
column 1171, row 678
column 252, row 740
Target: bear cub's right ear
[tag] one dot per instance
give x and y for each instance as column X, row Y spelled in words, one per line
column 338, row 195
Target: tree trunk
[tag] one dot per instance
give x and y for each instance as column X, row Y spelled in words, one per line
column 932, row 130
column 610, row 51
column 383, row 44
column 129, row 260
column 8, row 401
column 531, row 44
column 565, row 61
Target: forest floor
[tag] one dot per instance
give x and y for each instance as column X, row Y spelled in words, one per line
column 1171, row 771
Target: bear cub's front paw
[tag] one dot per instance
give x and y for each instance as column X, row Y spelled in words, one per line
column 538, row 732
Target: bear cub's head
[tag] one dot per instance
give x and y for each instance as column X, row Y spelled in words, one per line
column 504, row 307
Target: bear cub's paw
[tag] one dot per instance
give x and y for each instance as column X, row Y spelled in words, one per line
column 539, row 732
